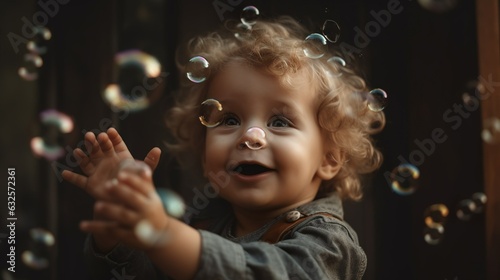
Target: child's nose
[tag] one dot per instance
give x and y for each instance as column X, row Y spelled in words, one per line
column 254, row 139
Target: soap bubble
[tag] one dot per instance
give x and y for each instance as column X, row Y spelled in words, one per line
column 315, row 46
column 465, row 209
column 249, row 15
column 479, row 200
column 197, row 69
column 172, row 202
column 491, row 130
column 139, row 81
column 331, row 30
column 29, row 70
column 54, row 122
column 434, row 235
column 435, row 214
column 210, row 113
column 404, row 179
column 377, row 100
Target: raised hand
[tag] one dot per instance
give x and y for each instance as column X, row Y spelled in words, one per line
column 135, row 217
column 106, row 152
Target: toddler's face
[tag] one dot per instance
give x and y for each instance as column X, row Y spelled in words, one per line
column 268, row 142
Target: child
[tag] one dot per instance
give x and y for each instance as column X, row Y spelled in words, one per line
column 284, row 141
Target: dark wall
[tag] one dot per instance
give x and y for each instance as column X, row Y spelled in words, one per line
column 423, row 59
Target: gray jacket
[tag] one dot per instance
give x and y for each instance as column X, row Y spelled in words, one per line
column 321, row 247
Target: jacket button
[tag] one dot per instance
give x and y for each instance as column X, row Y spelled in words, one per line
column 292, row 216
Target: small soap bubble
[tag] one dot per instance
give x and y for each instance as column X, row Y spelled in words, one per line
column 139, row 81
column 438, row 6
column 243, row 31
column 148, row 235
column 257, row 136
column 61, row 120
column 197, row 69
column 172, row 202
column 338, row 65
column 42, row 236
column 210, row 113
column 404, row 179
column 377, row 100
column 38, row 44
column 435, row 214
column 54, row 122
column 434, row 235
column 29, row 70
column 331, row 30
column 315, row 45
column 137, row 167
column 491, row 130
column 465, row 209
column 479, row 200
column 249, row 15
column 34, row 261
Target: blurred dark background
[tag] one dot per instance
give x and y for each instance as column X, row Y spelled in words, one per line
column 424, row 58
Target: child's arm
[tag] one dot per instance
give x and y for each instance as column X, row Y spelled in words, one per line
column 174, row 247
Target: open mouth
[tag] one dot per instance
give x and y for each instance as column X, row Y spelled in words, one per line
column 250, row 169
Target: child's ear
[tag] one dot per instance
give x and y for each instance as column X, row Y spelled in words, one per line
column 330, row 165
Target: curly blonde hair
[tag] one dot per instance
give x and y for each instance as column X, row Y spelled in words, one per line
column 278, row 48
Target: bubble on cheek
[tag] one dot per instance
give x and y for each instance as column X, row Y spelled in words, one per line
column 197, row 69
column 210, row 113
column 172, row 202
column 331, row 30
column 404, row 179
column 377, row 100
column 249, row 15
column 315, row 45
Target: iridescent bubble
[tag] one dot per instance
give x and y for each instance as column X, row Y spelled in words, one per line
column 197, row 69
column 42, row 149
column 139, row 81
column 438, row 6
column 137, row 167
column 434, row 235
column 315, row 45
column 38, row 43
column 377, row 100
column 55, row 122
column 404, row 179
column 148, row 235
column 491, row 130
column 210, row 113
column 435, row 214
column 172, row 202
column 479, row 200
column 34, row 261
column 243, row 31
column 61, row 120
column 331, row 30
column 257, row 138
column 42, row 236
column 465, row 209
column 29, row 70
column 249, row 15
column 338, row 64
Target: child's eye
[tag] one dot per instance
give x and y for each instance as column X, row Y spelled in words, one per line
column 230, row 120
column 279, row 121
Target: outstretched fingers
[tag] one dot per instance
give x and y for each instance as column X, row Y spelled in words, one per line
column 117, row 141
column 75, row 178
column 153, row 158
column 105, row 144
